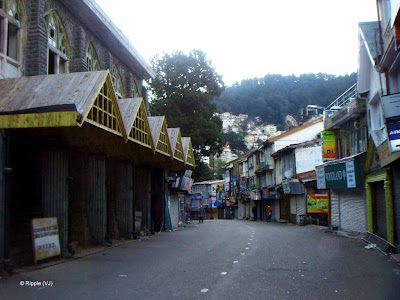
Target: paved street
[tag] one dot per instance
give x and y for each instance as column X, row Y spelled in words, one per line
column 221, row 259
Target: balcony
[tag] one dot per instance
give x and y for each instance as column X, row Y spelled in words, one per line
column 346, row 107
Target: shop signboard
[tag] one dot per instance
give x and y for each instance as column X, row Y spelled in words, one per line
column 265, row 193
column 329, row 145
column 186, row 184
column 391, row 105
column 385, row 156
column 394, row 136
column 242, row 184
column 341, row 175
column 46, row 241
column 317, row 203
column 286, row 187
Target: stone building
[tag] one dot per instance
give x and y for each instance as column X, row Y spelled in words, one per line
column 76, row 143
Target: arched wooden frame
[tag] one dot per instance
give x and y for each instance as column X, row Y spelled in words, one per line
column 92, row 62
column 117, row 82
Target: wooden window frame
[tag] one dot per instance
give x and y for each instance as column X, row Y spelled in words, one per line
column 55, row 45
column 5, row 20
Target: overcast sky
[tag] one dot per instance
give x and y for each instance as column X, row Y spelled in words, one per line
column 246, row 39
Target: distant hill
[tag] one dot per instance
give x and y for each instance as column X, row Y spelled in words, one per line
column 274, row 96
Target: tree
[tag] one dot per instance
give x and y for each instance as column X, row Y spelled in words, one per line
column 182, row 91
column 235, row 140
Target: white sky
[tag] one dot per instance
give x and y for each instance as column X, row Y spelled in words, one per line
column 246, row 39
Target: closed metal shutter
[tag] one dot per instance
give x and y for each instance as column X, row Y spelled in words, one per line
column 174, row 209
column 301, row 207
column 353, row 212
column 335, row 220
column 379, row 209
column 396, row 201
column 293, row 209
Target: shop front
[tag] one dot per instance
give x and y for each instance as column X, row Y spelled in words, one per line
column 342, row 178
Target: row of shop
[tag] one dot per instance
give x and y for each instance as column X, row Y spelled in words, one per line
column 95, row 163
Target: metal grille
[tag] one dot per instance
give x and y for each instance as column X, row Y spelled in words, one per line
column 103, row 112
column 140, row 128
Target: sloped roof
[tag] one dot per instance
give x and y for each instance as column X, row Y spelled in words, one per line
column 296, row 129
column 187, row 147
column 156, row 123
column 370, row 31
column 90, row 14
column 51, row 93
column 129, row 108
column 173, row 136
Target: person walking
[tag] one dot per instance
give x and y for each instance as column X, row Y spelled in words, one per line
column 269, row 213
column 201, row 214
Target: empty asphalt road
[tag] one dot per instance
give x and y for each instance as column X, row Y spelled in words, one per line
column 220, row 259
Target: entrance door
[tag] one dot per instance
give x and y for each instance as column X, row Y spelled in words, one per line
column 285, row 208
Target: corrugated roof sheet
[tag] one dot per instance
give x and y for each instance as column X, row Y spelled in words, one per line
column 48, row 93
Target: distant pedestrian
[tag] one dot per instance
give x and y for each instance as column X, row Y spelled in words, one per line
column 201, row 214
column 269, row 213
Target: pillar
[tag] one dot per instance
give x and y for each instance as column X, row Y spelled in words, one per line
column 389, row 209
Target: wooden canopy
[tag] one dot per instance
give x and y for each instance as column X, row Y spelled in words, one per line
column 188, row 151
column 136, row 122
column 158, row 127
column 176, row 143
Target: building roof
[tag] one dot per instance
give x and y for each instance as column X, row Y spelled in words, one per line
column 90, row 14
column 294, row 130
column 209, row 181
column 369, row 30
column 51, row 93
column 129, row 108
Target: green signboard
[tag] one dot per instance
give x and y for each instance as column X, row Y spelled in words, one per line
column 338, row 176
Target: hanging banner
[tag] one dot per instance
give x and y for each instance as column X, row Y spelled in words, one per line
column 317, row 203
column 329, row 145
column 46, row 242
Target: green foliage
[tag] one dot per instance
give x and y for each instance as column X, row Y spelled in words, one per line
column 202, row 172
column 235, row 140
column 274, row 96
column 182, row 91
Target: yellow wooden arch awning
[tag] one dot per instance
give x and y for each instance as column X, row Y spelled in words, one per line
column 176, row 143
column 62, row 100
column 158, row 127
column 188, row 151
column 136, row 122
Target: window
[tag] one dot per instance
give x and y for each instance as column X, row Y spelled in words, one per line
column 135, row 90
column 57, row 56
column 116, row 79
column 353, row 143
column 92, row 62
column 10, row 37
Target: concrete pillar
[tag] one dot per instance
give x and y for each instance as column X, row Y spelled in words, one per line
column 389, row 209
column 368, row 195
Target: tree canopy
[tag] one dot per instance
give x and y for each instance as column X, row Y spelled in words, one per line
column 274, row 96
column 182, row 91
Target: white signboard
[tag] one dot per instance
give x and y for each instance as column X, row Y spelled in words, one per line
column 46, row 242
column 391, row 105
column 321, row 183
column 351, row 176
column 307, row 158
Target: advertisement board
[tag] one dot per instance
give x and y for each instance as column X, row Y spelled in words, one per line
column 329, row 145
column 337, row 176
column 317, row 203
column 394, row 136
column 46, row 242
column 391, row 105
